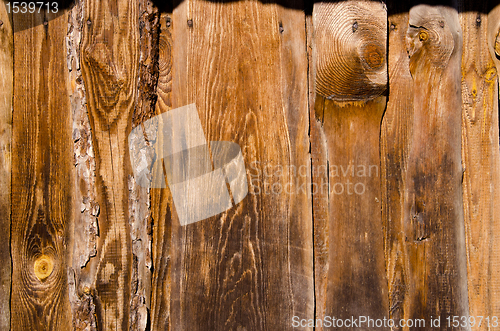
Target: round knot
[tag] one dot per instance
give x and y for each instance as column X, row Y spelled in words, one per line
column 43, row 267
column 373, row 56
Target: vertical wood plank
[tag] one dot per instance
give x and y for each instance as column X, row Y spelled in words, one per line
column 86, row 228
column 481, row 158
column 109, row 62
column 350, row 83
column 6, row 90
column 42, row 175
column 394, row 142
column 493, row 41
column 140, row 218
column 244, row 64
column 161, row 199
column 433, row 209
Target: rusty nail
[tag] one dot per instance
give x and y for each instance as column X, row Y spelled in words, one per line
column 354, row 26
column 393, row 26
column 89, row 22
column 281, row 27
column 169, row 22
column 190, row 23
column 441, row 24
column 45, row 23
column 478, row 19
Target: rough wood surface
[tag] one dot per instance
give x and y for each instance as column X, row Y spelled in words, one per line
column 394, row 145
column 139, row 197
column 86, row 211
column 110, row 63
column 244, row 65
column 350, row 264
column 481, row 158
column 161, row 199
column 6, row 90
column 42, row 176
column 433, row 209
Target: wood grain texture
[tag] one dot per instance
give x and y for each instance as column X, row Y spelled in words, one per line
column 42, row 176
column 350, row 264
column 139, row 197
column 6, row 95
column 433, row 209
column 394, row 147
column 350, row 40
column 161, row 199
column 110, row 64
column 244, row 65
column 481, row 158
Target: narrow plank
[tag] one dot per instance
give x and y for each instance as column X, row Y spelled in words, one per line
column 6, row 90
column 350, row 83
column 244, row 65
column 433, row 209
column 481, row 158
column 139, row 197
column 161, row 199
column 394, row 148
column 86, row 229
column 493, row 40
column 42, row 175
column 109, row 64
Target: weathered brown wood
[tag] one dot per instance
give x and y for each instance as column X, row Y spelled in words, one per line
column 109, row 63
column 6, row 90
column 85, row 230
column 433, row 209
column 351, row 80
column 161, row 199
column 139, row 197
column 481, row 158
column 394, row 146
column 244, row 65
column 319, row 174
column 42, row 176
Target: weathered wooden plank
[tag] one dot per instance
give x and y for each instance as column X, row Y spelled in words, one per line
column 394, row 147
column 244, row 65
column 139, row 197
column 42, row 175
column 351, row 80
column 161, row 199
column 6, row 90
column 86, row 227
column 481, row 158
column 109, row 63
column 493, row 40
column 433, row 209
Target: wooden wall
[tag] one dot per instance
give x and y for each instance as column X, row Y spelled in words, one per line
column 370, row 134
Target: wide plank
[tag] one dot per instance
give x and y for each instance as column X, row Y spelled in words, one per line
column 433, row 210
column 350, row 71
column 109, row 59
column 244, row 65
column 481, row 158
column 42, row 175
